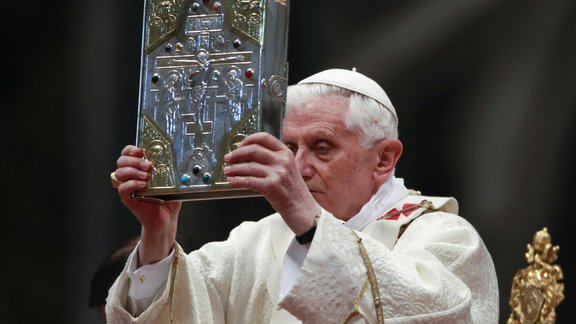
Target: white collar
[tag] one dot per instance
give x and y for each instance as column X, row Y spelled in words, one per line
column 389, row 193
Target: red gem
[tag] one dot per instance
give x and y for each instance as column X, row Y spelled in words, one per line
column 249, row 74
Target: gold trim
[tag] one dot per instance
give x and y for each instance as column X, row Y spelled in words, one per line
column 158, row 149
column 164, row 18
column 172, row 285
column 371, row 279
column 246, row 17
column 356, row 309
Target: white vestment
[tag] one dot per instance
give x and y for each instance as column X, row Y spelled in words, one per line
column 436, row 270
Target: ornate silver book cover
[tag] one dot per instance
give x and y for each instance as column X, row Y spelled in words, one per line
column 212, row 73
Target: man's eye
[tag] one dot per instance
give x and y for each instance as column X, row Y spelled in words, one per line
column 292, row 148
column 322, row 148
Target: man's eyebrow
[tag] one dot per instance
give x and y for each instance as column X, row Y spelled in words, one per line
column 324, row 134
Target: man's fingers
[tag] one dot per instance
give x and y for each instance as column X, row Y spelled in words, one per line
column 125, row 174
column 132, row 150
column 263, row 139
column 134, row 162
column 126, row 189
column 249, row 153
column 248, row 169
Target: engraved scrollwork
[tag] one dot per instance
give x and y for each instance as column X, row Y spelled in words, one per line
column 234, row 95
column 247, row 18
column 164, row 20
column 276, row 86
column 536, row 289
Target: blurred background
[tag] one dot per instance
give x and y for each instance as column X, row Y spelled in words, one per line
column 484, row 89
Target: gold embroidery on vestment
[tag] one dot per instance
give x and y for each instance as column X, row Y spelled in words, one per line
column 356, row 309
column 371, row 279
column 172, row 285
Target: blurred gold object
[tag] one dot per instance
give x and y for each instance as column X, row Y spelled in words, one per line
column 536, row 289
column 114, row 180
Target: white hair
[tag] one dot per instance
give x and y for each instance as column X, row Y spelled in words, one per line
column 366, row 117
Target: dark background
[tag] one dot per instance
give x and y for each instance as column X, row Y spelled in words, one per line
column 484, row 90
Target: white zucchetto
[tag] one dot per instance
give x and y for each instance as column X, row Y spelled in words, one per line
column 353, row 81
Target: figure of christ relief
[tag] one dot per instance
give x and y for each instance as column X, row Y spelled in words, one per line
column 199, row 82
column 200, row 114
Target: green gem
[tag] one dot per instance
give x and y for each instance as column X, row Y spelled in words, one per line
column 206, row 177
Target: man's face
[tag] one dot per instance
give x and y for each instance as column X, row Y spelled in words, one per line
column 337, row 171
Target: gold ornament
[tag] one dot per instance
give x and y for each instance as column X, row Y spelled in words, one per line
column 536, row 289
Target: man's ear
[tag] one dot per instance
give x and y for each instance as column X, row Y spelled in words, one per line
column 389, row 151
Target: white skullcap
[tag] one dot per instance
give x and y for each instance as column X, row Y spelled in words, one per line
column 353, row 81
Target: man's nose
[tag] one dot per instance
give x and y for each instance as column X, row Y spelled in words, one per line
column 303, row 162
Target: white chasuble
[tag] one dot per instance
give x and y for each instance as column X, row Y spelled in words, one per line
column 437, row 271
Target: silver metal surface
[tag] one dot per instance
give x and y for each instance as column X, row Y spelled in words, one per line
column 213, row 72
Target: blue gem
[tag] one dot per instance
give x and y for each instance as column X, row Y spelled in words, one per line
column 185, row 179
column 168, row 47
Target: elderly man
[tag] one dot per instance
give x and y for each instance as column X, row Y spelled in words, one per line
column 349, row 242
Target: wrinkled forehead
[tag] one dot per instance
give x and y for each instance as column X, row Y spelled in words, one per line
column 317, row 106
column 300, row 95
column 316, row 116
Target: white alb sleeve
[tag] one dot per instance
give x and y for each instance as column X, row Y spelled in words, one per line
column 146, row 281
